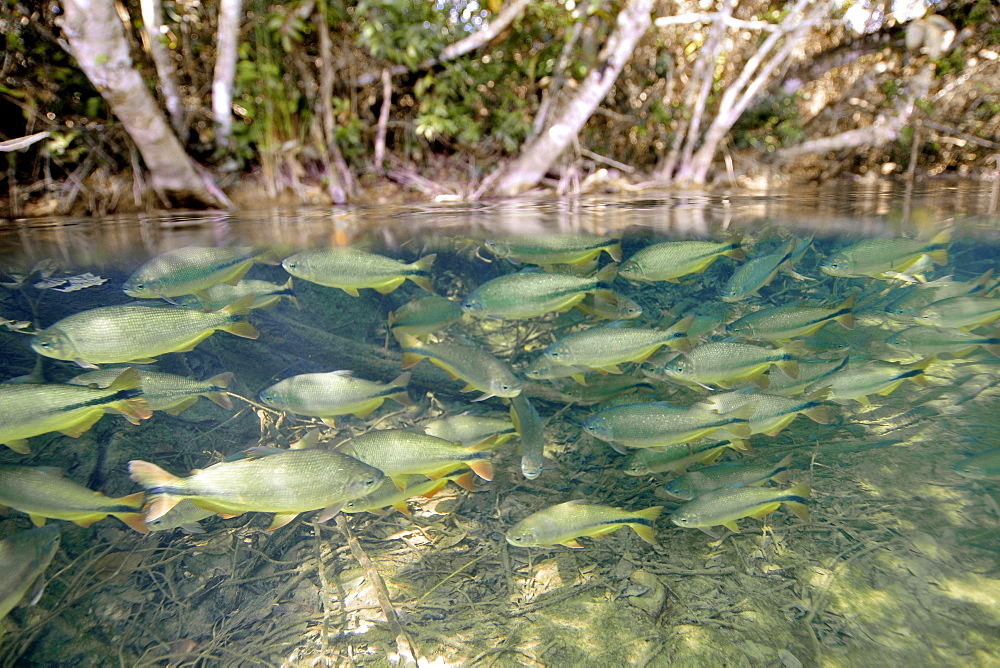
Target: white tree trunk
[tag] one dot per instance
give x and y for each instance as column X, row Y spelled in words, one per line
column 96, row 39
column 226, row 45
column 152, row 23
column 542, row 152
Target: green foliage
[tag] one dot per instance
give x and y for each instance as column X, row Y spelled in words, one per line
column 771, row 125
column 406, row 32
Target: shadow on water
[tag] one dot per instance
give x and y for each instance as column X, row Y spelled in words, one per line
column 899, row 561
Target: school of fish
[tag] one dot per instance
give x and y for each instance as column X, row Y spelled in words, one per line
column 672, row 393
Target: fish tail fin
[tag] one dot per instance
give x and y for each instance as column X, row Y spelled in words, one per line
column 846, row 319
column 608, row 273
column 683, row 325
column 286, row 290
column 411, row 358
column 781, row 477
column 482, row 468
column 993, row 349
column 800, row 509
column 801, row 490
column 795, row 348
column 150, row 475
column 789, row 367
column 939, row 256
column 132, row 500
column 738, row 444
column 615, row 251
column 220, row 382
column 423, row 265
column 650, row 513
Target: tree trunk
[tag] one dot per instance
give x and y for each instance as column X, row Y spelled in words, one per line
column 96, row 39
column 227, row 43
column 152, row 22
column 542, row 152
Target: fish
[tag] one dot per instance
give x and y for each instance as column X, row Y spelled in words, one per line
column 137, row 333
column 23, row 560
column 192, row 270
column 531, row 293
column 604, row 348
column 657, row 425
column 983, row 466
column 265, row 293
column 966, row 312
column 609, row 305
column 771, row 412
column 424, row 316
column 165, row 391
column 269, row 480
column 930, row 340
column 472, row 430
column 184, row 516
column 695, row 483
column 42, row 492
column 783, row 323
column 400, row 454
column 549, row 249
column 857, row 380
column 671, row 260
column 351, row 269
column 603, row 388
column 878, row 257
column 810, row 371
column 531, row 427
column 913, row 298
column 723, row 363
column 327, row 395
column 480, row 370
column 387, row 495
column 543, row 368
column 31, row 409
column 755, row 274
column 676, row 458
column 725, row 506
column 563, row 523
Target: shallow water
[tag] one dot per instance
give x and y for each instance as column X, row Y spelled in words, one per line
column 898, row 562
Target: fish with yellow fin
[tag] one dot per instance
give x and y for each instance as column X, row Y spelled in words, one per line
column 351, row 269
column 193, row 270
column 30, row 409
column 733, row 474
column 400, row 454
column 658, row 424
column 268, row 480
column 43, row 493
column 857, row 380
column 327, row 395
column 725, row 506
column 472, row 430
column 782, row 323
column 480, row 370
column 165, row 391
column 671, row 260
column 886, row 258
column 723, row 363
column 550, row 249
column 265, row 293
column 424, row 316
column 138, row 333
column 23, row 560
column 563, row 523
column 387, row 495
column 531, row 293
column 678, row 457
column 604, row 348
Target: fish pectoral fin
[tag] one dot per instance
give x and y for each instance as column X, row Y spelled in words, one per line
column 800, row 510
column 479, row 398
column 281, row 519
column 37, row 520
column 87, row 365
column 35, row 591
column 329, row 512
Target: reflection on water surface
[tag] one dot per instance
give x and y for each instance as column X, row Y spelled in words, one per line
column 865, row 397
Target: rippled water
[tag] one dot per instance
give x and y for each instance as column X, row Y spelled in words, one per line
column 897, row 562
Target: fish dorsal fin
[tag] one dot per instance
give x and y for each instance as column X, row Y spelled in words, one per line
column 258, row 452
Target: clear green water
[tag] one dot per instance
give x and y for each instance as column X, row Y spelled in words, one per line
column 898, row 563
